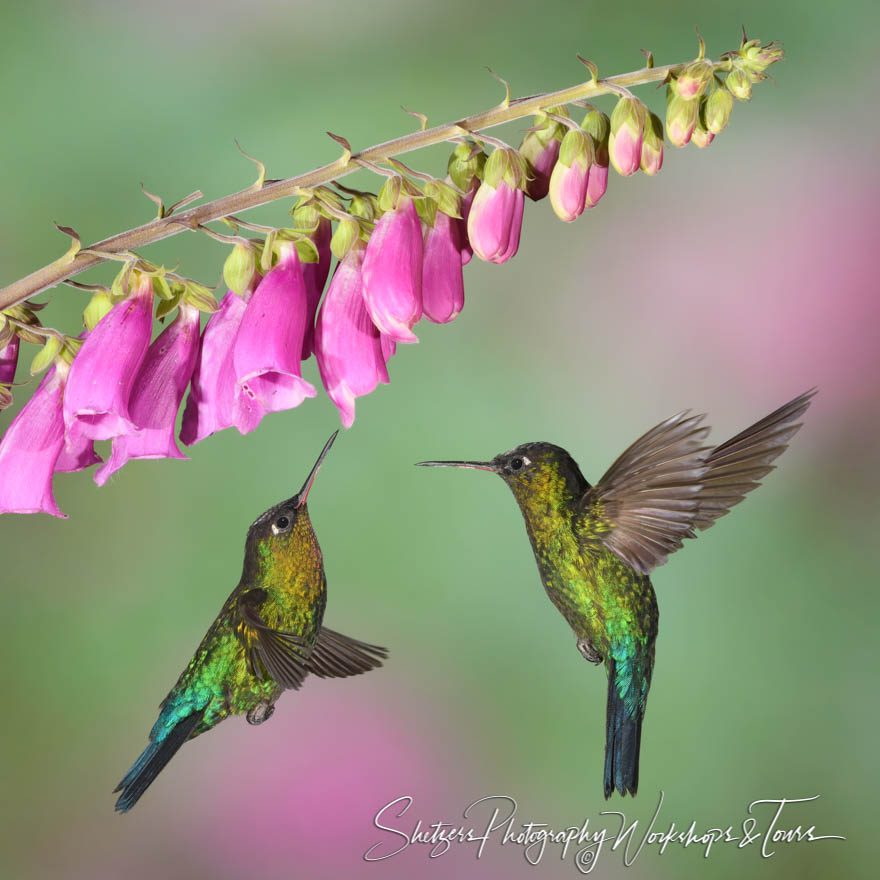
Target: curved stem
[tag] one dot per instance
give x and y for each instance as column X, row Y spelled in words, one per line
column 192, row 219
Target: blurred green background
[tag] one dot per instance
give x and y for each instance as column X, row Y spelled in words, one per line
column 737, row 278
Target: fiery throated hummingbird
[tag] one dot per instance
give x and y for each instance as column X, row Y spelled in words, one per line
column 596, row 545
column 267, row 638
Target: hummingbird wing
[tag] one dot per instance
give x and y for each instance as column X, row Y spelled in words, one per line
column 667, row 484
column 281, row 654
column 339, row 656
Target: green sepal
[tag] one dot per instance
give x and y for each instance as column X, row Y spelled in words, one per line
column 266, row 257
column 598, row 126
column 71, row 348
column 5, row 396
column 7, row 331
column 100, row 303
column 305, row 217
column 199, row 296
column 307, row 250
column 427, row 210
column 161, row 287
column 167, row 306
column 466, row 162
column 391, row 192
column 344, row 236
column 365, row 206
column 505, row 164
column 240, row 267
column 629, row 112
column 739, row 84
column 577, row 146
column 447, row 198
column 46, row 355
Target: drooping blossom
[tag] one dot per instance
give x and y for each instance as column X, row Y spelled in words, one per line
column 571, row 176
column 9, row 361
column 466, row 201
column 155, row 397
column 348, row 347
column 625, row 138
column 30, row 448
column 315, row 274
column 392, row 271
column 598, row 126
column 268, row 347
column 215, row 399
column 540, row 149
column 465, row 170
column 442, row 281
column 495, row 218
column 104, row 369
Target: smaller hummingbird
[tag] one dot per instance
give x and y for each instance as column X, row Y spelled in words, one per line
column 596, row 545
column 266, row 639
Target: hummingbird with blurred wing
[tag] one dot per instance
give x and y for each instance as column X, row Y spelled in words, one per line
column 596, row 545
column 267, row 638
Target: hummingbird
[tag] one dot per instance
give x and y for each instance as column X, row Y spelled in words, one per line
column 596, row 546
column 267, row 638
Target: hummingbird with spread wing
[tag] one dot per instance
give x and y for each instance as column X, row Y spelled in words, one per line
column 267, row 638
column 597, row 545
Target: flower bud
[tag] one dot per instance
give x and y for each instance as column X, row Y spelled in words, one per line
column 240, row 267
column 739, row 84
column 495, row 218
column 9, row 361
column 570, row 178
column 702, row 137
column 100, row 303
column 694, row 79
column 540, row 149
column 652, row 145
column 466, row 163
column 598, row 126
column 681, row 117
column 627, row 130
column 757, row 58
column 347, row 343
column 392, row 270
column 718, row 108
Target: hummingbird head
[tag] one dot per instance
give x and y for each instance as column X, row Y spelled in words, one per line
column 532, row 470
column 287, row 523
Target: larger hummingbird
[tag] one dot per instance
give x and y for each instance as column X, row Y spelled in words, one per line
column 596, row 545
column 267, row 638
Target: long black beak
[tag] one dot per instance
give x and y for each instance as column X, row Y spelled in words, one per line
column 304, row 492
column 474, row 465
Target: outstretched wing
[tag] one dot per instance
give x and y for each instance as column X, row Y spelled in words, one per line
column 281, row 655
column 339, row 656
column 667, row 484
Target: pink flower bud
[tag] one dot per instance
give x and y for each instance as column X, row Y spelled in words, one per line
column 30, row 448
column 8, row 361
column 495, row 220
column 681, row 117
column 627, row 130
column 598, row 126
column 392, row 271
column 694, row 78
column 268, row 346
column 347, row 344
column 215, row 400
column 652, row 145
column 156, row 394
column 104, row 369
column 315, row 277
column 540, row 149
column 571, row 176
column 442, row 282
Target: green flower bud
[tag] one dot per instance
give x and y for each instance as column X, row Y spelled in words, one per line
column 681, row 117
column 505, row 164
column 718, row 108
column 702, row 137
column 344, row 237
column 365, row 206
column 694, row 79
column 598, row 126
column 100, row 303
column 739, row 84
column 240, row 268
column 652, row 145
column 466, row 162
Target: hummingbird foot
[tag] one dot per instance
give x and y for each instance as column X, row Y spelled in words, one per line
column 585, row 646
column 261, row 712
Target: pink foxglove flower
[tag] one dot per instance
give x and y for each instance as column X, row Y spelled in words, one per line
column 9, row 361
column 155, row 397
column 442, row 282
column 495, row 217
column 389, row 347
column 268, row 346
column 625, row 139
column 392, row 271
column 571, row 176
column 540, row 149
column 315, row 277
column 347, row 344
column 104, row 369
column 30, row 448
column 215, row 400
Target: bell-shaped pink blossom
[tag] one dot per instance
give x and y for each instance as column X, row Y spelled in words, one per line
column 597, row 183
column 77, row 456
column 268, row 346
column 347, row 343
column 392, row 271
column 315, row 277
column 442, row 282
column 155, row 397
column 494, row 221
column 104, row 369
column 215, row 399
column 8, row 361
column 30, row 448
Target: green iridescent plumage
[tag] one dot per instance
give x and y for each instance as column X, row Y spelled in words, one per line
column 267, row 638
column 596, row 545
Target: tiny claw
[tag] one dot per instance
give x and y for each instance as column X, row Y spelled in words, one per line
column 261, row 176
column 261, row 712
column 585, row 646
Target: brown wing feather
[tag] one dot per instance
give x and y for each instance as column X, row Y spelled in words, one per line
column 339, row 656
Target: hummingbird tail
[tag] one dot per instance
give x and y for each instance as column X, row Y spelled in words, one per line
column 623, row 739
column 151, row 761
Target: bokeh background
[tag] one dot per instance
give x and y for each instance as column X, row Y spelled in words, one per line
column 740, row 276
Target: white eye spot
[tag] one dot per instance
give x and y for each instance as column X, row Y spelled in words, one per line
column 526, row 461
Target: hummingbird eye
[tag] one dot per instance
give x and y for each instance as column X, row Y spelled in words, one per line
column 282, row 524
column 516, row 464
